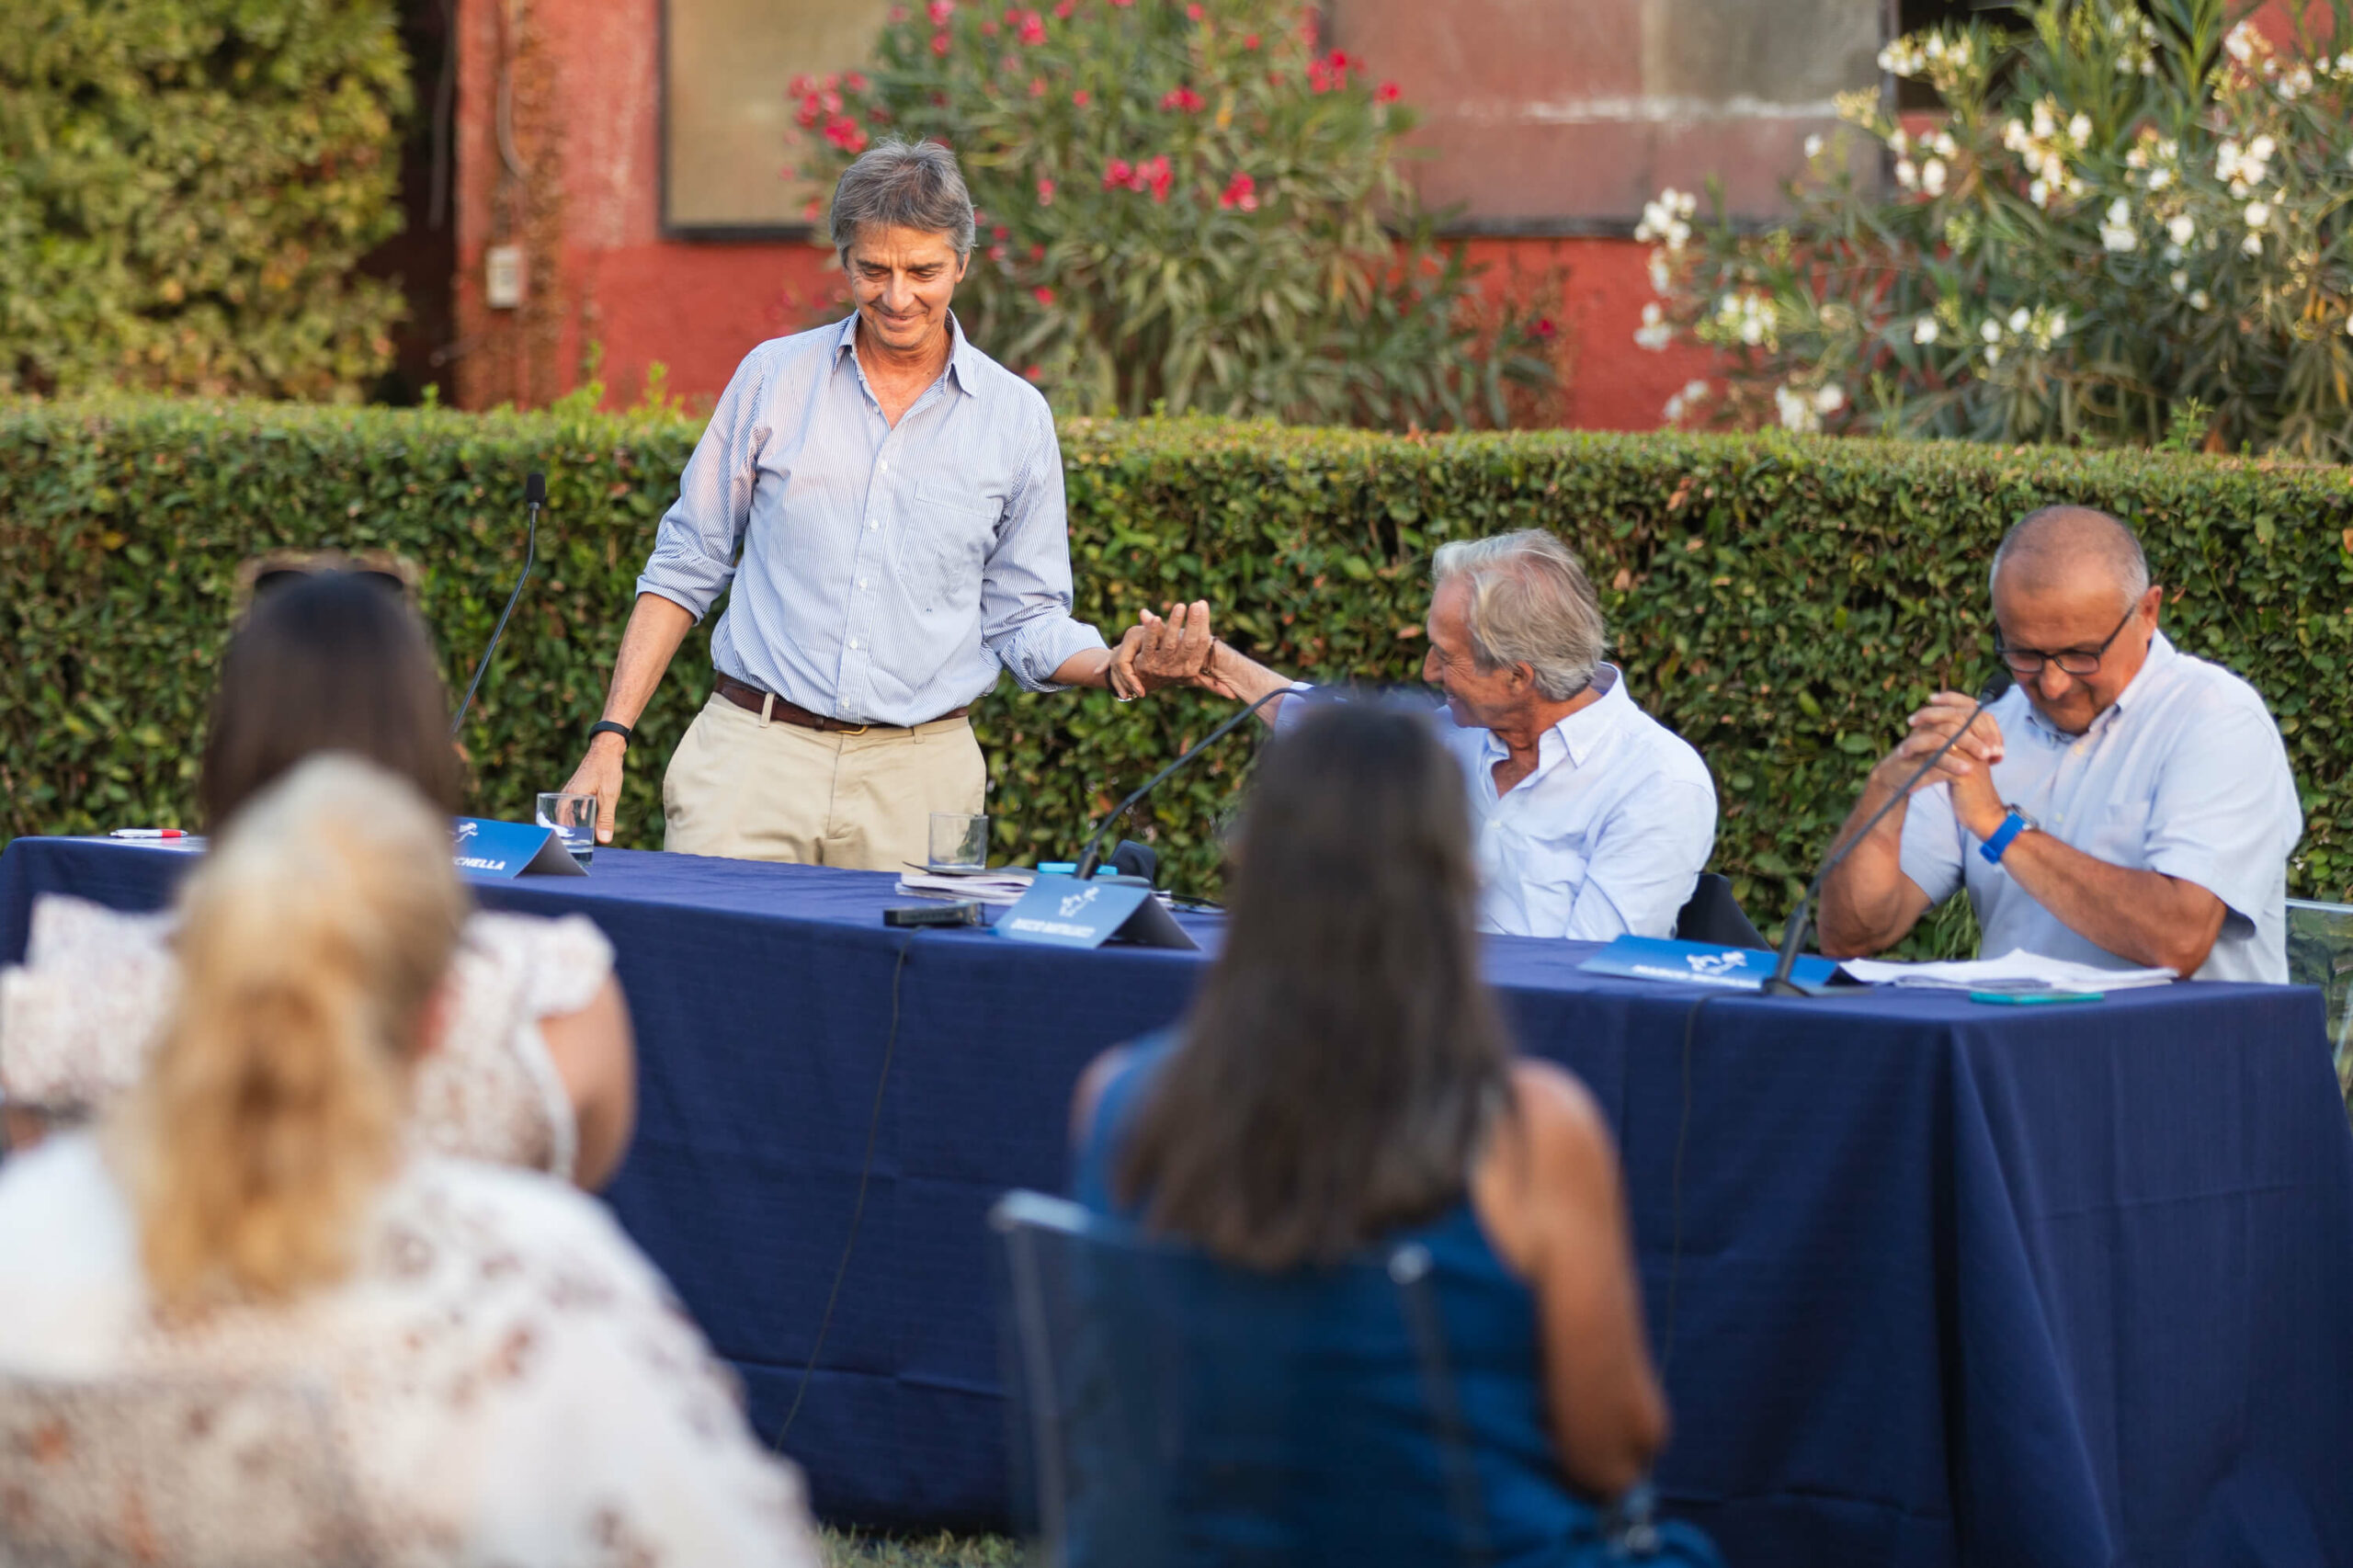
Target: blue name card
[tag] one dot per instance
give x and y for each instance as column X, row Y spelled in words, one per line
column 1062, row 912
column 1701, row 963
column 511, row 849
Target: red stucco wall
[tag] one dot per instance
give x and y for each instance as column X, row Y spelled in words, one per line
column 585, row 112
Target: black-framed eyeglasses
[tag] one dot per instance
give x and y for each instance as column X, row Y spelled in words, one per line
column 2071, row 661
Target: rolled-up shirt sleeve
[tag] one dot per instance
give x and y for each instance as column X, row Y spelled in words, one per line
column 1026, row 585
column 2224, row 815
column 694, row 549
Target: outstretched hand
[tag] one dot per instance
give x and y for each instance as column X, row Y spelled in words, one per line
column 1171, row 651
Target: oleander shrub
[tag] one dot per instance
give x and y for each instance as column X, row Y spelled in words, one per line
column 185, row 187
column 1783, row 602
column 2128, row 226
column 1186, row 209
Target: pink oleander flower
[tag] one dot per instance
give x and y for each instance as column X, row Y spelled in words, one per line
column 1062, row 9
column 1082, row 98
column 1000, row 232
column 1117, row 173
column 1183, row 98
column 1193, row 11
column 1037, row 87
column 832, row 100
column 940, row 11
column 997, row 253
column 1045, row 193
column 940, row 43
column 855, row 82
column 1544, row 327
column 800, row 84
column 1250, row 41
column 1387, row 93
column 1033, row 28
column 1032, row 372
column 1241, row 192
column 1042, row 294
column 807, row 114
column 1158, row 175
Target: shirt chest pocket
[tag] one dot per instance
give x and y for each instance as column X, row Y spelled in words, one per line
column 2118, row 834
column 944, row 544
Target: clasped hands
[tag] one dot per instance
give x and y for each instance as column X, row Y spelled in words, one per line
column 1968, row 768
column 1174, row 649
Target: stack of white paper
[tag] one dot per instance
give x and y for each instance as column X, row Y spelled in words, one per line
column 1003, row 886
column 2016, row 969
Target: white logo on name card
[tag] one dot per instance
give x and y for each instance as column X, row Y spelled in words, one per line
column 467, row 830
column 1716, row 963
column 1078, row 901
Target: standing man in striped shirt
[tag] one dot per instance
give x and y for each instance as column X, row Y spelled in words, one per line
column 896, row 496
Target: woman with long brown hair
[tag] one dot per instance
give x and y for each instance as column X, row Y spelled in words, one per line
column 1344, row 1083
column 537, row 1067
column 505, row 1377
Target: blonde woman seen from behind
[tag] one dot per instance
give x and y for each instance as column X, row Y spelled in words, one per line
column 505, row 1377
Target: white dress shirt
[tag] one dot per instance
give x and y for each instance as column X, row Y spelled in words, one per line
column 888, row 571
column 2185, row 774
column 1606, row 838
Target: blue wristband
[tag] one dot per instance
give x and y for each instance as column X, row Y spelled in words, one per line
column 2012, row 825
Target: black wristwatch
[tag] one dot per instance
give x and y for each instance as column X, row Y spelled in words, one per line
column 611, row 727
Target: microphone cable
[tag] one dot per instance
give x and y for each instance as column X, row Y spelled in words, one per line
column 535, row 496
column 857, row 1209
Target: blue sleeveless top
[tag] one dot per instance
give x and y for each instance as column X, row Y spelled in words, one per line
column 1355, row 1472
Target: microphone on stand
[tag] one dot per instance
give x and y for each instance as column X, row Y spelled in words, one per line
column 535, row 496
column 1089, row 857
column 1794, row 936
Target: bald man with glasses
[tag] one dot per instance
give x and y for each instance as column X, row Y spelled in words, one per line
column 2124, row 804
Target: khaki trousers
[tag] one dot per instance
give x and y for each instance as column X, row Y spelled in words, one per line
column 750, row 789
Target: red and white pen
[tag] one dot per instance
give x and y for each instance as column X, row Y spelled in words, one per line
column 147, row 833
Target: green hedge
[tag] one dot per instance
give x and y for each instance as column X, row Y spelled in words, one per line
column 1783, row 602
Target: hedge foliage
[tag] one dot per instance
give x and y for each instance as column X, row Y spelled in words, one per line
column 185, row 187
column 1783, row 602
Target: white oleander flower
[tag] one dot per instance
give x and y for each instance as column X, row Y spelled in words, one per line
column 1946, row 147
column 1798, row 413
column 1813, row 145
column 1992, row 357
column 2014, row 136
column 1660, row 276
column 2257, row 214
column 2198, row 301
column 2159, row 178
column 1906, row 175
column 2181, row 281
column 2019, row 319
column 1830, row 399
column 2117, row 234
column 2349, row 326
column 1682, row 402
column 2079, row 130
column 2046, row 120
column 2252, row 245
column 1925, row 330
column 2261, row 149
column 1992, row 331
column 1654, row 334
column 2242, row 43
column 1932, row 176
column 2040, row 193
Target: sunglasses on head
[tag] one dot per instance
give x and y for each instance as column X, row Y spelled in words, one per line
column 378, row 568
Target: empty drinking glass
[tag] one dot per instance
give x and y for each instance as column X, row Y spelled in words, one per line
column 959, row 841
column 573, row 817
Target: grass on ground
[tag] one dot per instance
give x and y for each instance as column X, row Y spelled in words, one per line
column 857, row 1549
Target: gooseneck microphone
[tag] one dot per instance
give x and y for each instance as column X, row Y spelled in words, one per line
column 1793, row 937
column 535, row 496
column 1089, row 857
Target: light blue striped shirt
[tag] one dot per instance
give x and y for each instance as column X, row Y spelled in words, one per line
column 887, row 573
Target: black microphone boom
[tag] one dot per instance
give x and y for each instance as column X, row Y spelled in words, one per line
column 535, row 496
column 1793, row 937
column 1087, row 858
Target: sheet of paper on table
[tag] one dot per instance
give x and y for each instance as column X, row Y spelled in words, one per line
column 999, row 887
column 2016, row 969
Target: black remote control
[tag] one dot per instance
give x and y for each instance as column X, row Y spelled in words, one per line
column 965, row 913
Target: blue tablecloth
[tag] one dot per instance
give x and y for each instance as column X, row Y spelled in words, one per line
column 1933, row 1282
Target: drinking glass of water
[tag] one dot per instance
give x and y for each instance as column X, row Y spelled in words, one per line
column 573, row 817
column 959, row 841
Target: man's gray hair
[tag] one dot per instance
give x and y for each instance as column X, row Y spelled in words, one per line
column 1530, row 604
column 902, row 185
column 2047, row 546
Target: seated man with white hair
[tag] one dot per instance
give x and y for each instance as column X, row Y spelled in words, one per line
column 2123, row 805
column 1593, row 819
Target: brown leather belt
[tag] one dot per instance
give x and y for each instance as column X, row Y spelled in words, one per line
column 745, row 695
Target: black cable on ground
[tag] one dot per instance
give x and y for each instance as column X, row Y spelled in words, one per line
column 858, row 1209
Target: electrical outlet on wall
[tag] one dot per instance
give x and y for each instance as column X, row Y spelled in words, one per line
column 503, row 277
